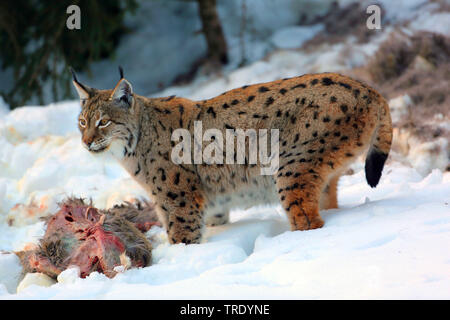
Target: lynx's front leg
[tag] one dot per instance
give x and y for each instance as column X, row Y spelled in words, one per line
column 180, row 206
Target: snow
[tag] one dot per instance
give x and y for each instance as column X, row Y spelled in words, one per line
column 389, row 242
column 436, row 22
column 294, row 37
column 10, row 270
column 3, row 107
column 401, row 10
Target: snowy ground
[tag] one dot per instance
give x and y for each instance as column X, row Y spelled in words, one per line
column 389, row 242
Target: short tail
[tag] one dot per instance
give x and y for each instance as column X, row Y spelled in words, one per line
column 381, row 145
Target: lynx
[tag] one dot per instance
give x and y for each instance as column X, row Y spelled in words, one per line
column 325, row 122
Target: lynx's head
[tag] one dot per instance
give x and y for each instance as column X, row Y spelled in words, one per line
column 108, row 118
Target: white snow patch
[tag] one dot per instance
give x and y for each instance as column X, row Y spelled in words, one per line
column 10, row 272
column 295, row 36
column 432, row 22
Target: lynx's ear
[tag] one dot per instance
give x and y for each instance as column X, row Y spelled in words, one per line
column 123, row 93
column 83, row 91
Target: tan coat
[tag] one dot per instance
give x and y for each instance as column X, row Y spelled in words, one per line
column 325, row 122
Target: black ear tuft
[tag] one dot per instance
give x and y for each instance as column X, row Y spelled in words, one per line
column 74, row 76
column 121, row 72
column 83, row 91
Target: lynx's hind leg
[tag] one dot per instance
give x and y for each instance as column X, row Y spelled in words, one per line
column 328, row 199
column 299, row 194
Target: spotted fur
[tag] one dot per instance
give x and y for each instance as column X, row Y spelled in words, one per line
column 325, row 122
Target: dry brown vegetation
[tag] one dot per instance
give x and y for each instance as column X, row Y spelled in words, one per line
column 340, row 22
column 418, row 66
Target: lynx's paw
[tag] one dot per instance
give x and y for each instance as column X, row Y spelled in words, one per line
column 217, row 219
column 302, row 222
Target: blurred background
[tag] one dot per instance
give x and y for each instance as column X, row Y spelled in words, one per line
column 200, row 48
column 159, row 42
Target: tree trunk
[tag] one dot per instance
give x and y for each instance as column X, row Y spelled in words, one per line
column 212, row 29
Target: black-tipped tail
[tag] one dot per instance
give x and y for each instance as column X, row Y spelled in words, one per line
column 374, row 166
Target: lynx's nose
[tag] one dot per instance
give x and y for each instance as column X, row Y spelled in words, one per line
column 87, row 141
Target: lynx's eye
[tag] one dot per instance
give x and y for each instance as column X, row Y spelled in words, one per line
column 103, row 123
column 82, row 123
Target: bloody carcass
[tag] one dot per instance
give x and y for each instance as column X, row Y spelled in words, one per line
column 92, row 239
